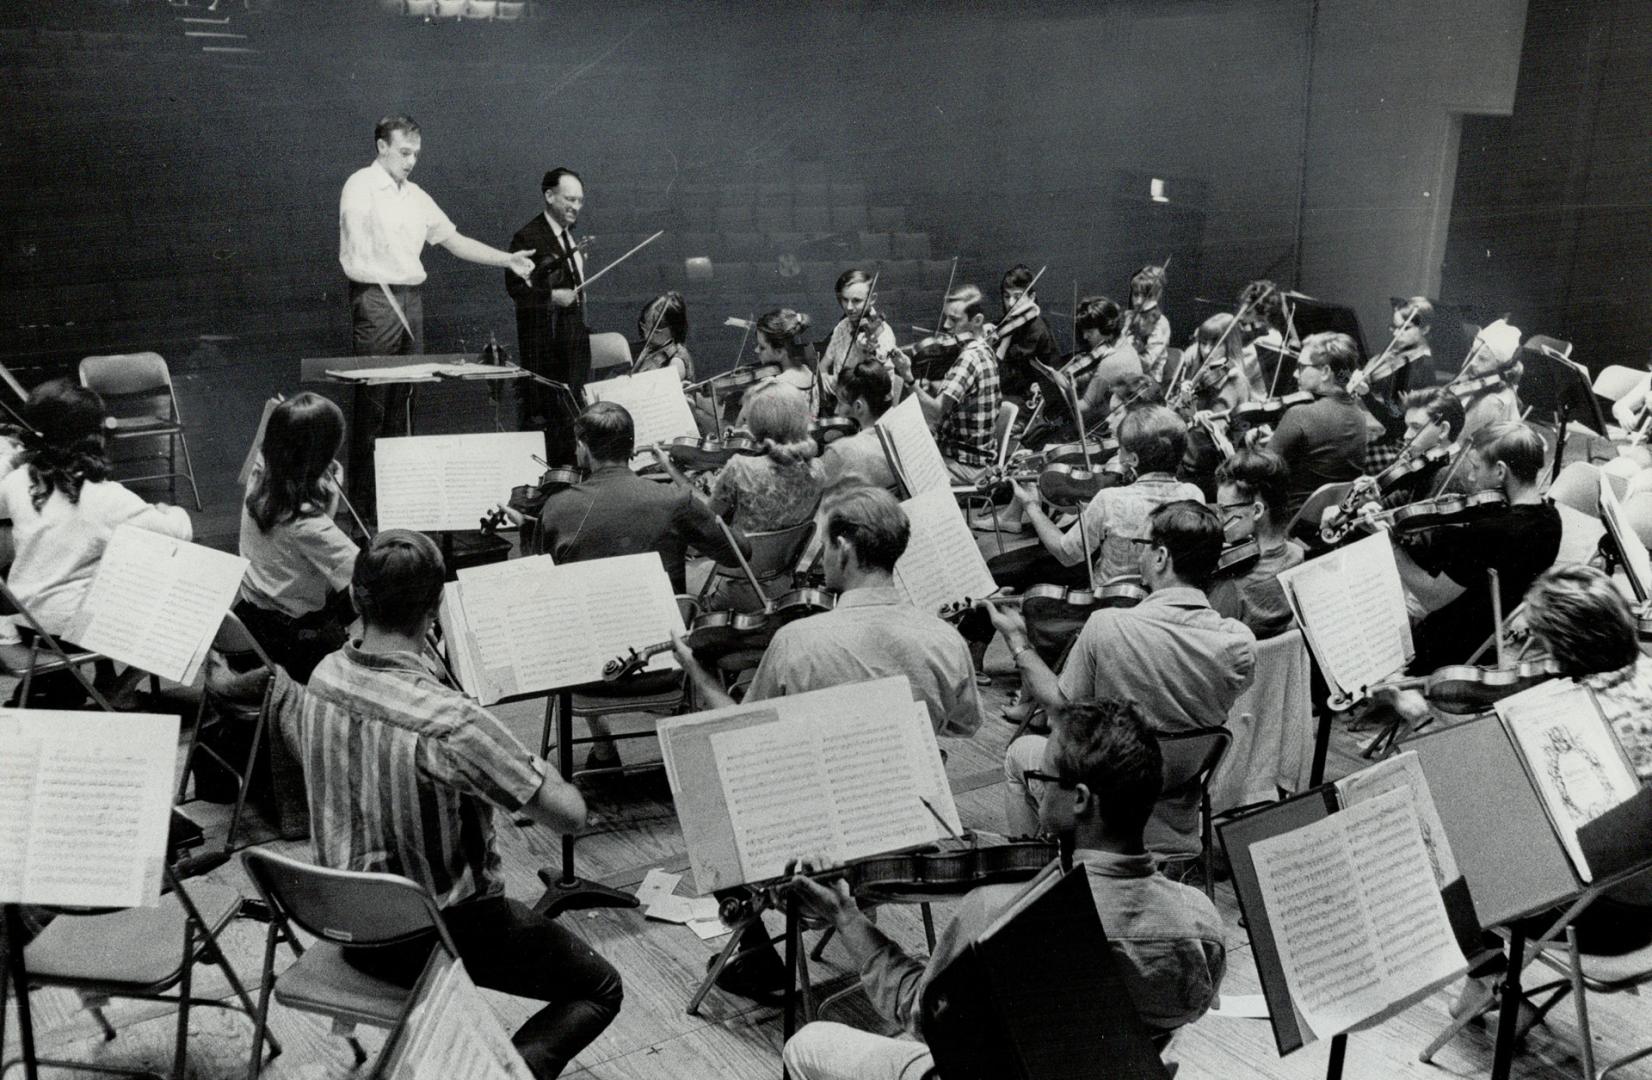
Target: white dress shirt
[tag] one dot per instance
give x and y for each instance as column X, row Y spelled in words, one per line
column 383, row 227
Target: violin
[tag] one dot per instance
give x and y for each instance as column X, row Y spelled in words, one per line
column 1467, row 388
column 718, row 633
column 1053, row 602
column 1465, row 689
column 735, row 379
column 1388, row 362
column 934, row 355
column 706, row 452
column 829, row 429
column 1238, row 558
column 1447, row 510
column 1392, row 479
column 529, row 499
column 1269, row 410
column 1397, row 474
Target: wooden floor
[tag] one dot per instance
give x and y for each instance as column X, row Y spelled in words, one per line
column 633, row 829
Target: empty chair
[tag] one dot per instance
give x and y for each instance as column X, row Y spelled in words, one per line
column 451, row 9
column 511, row 10
column 142, row 380
column 1191, row 759
column 482, row 9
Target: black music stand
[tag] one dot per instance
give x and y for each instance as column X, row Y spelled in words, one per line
column 1558, row 389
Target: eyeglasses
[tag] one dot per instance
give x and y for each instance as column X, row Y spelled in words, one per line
column 1235, row 506
column 1059, row 781
column 1143, row 541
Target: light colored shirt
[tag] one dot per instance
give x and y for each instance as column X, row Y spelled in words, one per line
column 1256, row 598
column 1153, row 355
column 755, row 493
column 1117, row 517
column 59, row 546
column 295, row 566
column 383, row 227
column 1115, row 364
column 403, row 771
column 842, row 352
column 859, row 456
column 874, row 633
column 1166, row 938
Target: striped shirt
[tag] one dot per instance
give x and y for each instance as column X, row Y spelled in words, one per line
column 403, row 771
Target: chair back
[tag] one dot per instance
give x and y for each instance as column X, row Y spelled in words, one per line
column 1190, row 757
column 1003, row 430
column 610, row 349
column 483, row 9
column 1305, row 522
column 125, row 374
column 776, row 552
column 347, row 907
column 421, row 7
column 234, row 637
column 511, row 10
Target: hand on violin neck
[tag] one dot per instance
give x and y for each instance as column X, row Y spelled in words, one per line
column 1007, row 622
column 831, row 902
column 514, row 517
column 1358, row 385
column 1024, row 495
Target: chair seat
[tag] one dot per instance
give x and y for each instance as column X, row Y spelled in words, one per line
column 14, row 660
column 139, row 949
column 143, row 425
column 322, row 981
column 1629, row 967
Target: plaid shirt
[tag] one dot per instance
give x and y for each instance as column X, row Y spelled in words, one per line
column 965, row 435
column 401, row 771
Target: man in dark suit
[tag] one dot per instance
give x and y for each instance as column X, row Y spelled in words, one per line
column 550, row 314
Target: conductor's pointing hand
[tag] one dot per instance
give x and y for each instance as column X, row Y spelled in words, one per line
column 522, row 263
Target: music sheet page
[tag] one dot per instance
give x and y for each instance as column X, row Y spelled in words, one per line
column 453, row 1032
column 920, row 457
column 779, row 799
column 1637, row 563
column 1572, row 756
column 942, row 563
column 1352, row 610
column 655, row 400
column 436, row 483
column 1356, row 915
column 84, row 805
column 156, row 603
column 1403, row 772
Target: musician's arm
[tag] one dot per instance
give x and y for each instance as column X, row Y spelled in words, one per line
column 1624, row 409
column 462, row 246
column 556, row 805
column 935, row 406
column 520, row 289
column 1037, row 680
column 708, row 692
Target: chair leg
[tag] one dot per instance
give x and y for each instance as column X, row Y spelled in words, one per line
column 189, row 754
column 1586, row 1044
column 180, row 1050
column 355, row 1048
column 545, row 731
column 260, row 1020
column 246, row 780
column 189, row 465
column 103, row 1022
column 820, row 946
column 929, row 926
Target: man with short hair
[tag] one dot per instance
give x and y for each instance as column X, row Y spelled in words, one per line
column 961, row 407
column 863, row 395
column 1181, row 664
column 384, row 222
column 1023, row 344
column 1104, row 770
column 403, row 772
column 1322, row 442
column 1250, row 500
column 550, row 312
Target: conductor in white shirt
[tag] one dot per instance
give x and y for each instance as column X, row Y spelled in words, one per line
column 384, row 222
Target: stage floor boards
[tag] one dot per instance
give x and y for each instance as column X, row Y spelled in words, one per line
column 633, row 829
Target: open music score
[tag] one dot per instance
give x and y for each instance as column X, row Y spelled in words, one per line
column 840, row 773
column 437, row 483
column 84, row 805
column 156, row 603
column 449, row 1031
column 942, row 563
column 1403, row 772
column 659, row 411
column 527, row 625
column 913, row 454
column 1637, row 564
column 1351, row 607
column 1356, row 914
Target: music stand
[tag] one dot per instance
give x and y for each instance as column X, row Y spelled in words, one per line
column 1559, row 390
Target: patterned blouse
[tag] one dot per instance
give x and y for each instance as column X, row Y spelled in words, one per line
column 1625, row 697
column 754, row 493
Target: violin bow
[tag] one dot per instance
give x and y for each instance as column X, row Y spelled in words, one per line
column 1284, row 344
column 581, row 287
column 1075, row 315
column 952, row 276
column 1373, row 364
column 648, row 338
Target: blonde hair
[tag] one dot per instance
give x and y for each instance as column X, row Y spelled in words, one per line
column 778, row 416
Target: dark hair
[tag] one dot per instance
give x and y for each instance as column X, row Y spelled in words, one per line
column 398, row 579
column 1267, row 301
column 65, row 447
column 867, row 381
column 1155, row 435
column 1515, row 444
column 1442, row 406
column 554, row 177
column 970, row 297
column 1192, row 534
column 1018, row 276
column 852, row 276
column 1139, row 391
column 606, row 429
column 870, row 519
column 781, row 328
column 1340, row 354
column 392, row 124
column 1259, row 474
column 671, row 310
column 1099, row 313
column 1583, row 620
column 300, row 442
column 1107, row 746
column 1419, row 309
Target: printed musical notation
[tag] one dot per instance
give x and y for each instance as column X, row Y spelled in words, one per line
column 436, row 483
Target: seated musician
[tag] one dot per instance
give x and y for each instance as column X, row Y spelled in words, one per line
column 1322, row 442
column 1166, row 938
column 613, row 511
column 1250, row 498
column 777, row 340
column 1384, row 398
column 1019, row 346
column 1109, row 360
column 843, row 351
column 1207, row 386
column 1495, row 352
column 403, row 773
column 663, row 326
column 295, row 596
column 1179, row 662
column 1145, row 323
column 863, row 395
column 1152, row 440
column 1519, row 541
column 962, row 406
column 1264, row 335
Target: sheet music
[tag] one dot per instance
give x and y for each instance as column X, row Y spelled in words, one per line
column 453, row 1032
column 838, row 775
column 533, row 625
column 655, row 400
column 156, row 603
column 920, row 458
column 426, row 371
column 1403, row 772
column 1572, row 756
column 84, row 800
column 1351, row 607
column 1636, row 562
column 932, row 782
column 942, row 563
column 436, row 483
column 1356, row 915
